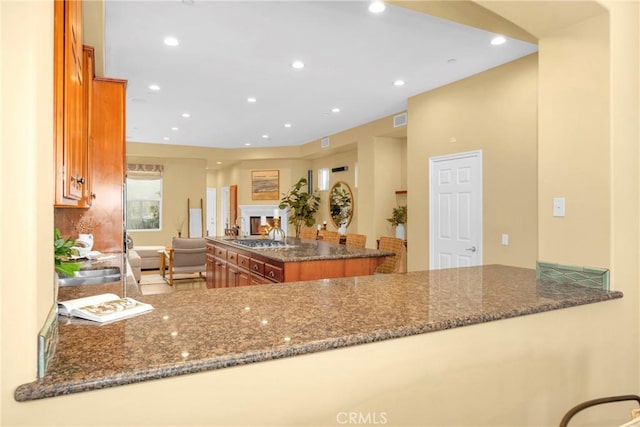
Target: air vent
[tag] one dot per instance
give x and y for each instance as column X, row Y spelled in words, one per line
column 400, row 120
column 324, row 143
column 340, row 169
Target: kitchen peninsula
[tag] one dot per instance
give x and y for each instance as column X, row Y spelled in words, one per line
column 204, row 330
column 235, row 261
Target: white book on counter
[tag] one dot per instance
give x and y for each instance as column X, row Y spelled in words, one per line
column 102, row 308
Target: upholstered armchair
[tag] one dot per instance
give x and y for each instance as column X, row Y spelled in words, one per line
column 185, row 256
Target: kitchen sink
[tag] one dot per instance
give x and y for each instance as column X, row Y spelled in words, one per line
column 91, row 276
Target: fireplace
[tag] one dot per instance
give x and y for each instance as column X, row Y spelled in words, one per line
column 250, row 218
column 254, row 224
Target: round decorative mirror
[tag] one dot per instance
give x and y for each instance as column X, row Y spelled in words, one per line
column 341, row 204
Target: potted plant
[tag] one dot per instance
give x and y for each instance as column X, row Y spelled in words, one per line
column 62, row 253
column 398, row 219
column 302, row 206
column 340, row 207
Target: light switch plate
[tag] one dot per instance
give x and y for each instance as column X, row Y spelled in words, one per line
column 558, row 206
column 505, row 239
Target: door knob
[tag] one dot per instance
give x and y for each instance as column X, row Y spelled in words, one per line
column 472, row 249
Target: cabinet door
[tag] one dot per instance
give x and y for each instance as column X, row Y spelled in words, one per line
column 232, row 276
column 243, row 278
column 88, row 60
column 210, row 266
column 68, row 104
column 75, row 141
column 108, row 161
column 220, row 274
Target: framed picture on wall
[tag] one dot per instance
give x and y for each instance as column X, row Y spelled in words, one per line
column 265, row 185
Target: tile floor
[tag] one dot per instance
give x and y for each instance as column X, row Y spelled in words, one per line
column 151, row 282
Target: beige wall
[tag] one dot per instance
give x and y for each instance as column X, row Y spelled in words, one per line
column 574, row 77
column 182, row 179
column 432, row 379
column 390, row 168
column 345, row 158
column 495, row 112
column 290, row 171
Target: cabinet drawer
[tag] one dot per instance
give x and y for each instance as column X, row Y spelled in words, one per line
column 211, row 250
column 257, row 266
column 274, row 273
column 244, row 261
column 232, row 257
column 220, row 252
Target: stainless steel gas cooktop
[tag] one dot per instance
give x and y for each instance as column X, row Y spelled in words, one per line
column 262, row 243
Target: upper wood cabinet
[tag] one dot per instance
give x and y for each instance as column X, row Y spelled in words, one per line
column 88, row 60
column 107, row 153
column 70, row 110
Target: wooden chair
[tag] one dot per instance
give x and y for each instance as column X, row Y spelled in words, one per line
column 391, row 264
column 185, row 256
column 308, row 233
column 359, row 240
column 331, row 236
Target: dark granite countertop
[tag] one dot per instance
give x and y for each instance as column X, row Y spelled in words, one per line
column 121, row 287
column 258, row 323
column 305, row 250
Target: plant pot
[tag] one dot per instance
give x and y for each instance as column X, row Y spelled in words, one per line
column 400, row 234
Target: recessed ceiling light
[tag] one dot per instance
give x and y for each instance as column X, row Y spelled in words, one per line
column 265, row 136
column 174, row 128
column 335, row 110
column 251, row 100
column 171, row 41
column 287, row 125
column 218, row 163
column 377, row 7
column 398, row 83
column 298, row 65
column 247, row 144
column 498, row 40
column 166, row 138
column 452, row 60
column 154, row 87
column 186, row 115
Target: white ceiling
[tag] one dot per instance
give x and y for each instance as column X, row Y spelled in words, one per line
column 232, row 50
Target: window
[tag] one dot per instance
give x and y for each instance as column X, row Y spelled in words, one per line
column 144, row 197
column 323, row 179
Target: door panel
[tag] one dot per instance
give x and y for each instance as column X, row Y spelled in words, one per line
column 456, row 210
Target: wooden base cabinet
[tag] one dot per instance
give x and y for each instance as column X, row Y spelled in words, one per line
column 228, row 266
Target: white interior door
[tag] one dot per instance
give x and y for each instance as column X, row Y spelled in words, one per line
column 455, row 213
column 224, row 208
column 211, row 211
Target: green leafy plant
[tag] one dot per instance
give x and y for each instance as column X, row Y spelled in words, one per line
column 398, row 215
column 62, row 253
column 302, row 206
column 339, row 204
